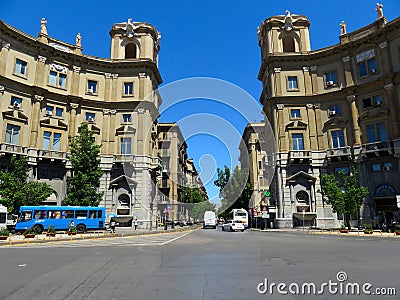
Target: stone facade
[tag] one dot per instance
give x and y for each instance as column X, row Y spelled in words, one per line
column 331, row 109
column 48, row 88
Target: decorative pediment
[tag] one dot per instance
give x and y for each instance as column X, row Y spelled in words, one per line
column 54, row 123
column 336, row 121
column 125, row 129
column 296, row 125
column 95, row 129
column 123, row 178
column 301, row 174
column 373, row 113
column 15, row 115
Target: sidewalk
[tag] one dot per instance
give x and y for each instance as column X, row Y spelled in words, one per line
column 62, row 236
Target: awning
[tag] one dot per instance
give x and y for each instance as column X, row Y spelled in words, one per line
column 308, row 216
column 122, row 219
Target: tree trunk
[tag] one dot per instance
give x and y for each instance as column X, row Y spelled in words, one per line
column 347, row 221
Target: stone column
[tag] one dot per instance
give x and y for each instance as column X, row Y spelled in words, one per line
column 312, row 192
column 40, row 75
column 111, row 136
column 105, row 131
column 390, row 97
column 108, row 87
column 385, row 57
column 278, row 82
column 4, row 49
column 348, row 75
column 314, row 79
column 292, row 195
column 114, row 87
column 75, row 80
column 354, row 120
column 72, row 119
column 37, row 99
column 312, row 131
column 142, row 79
column 307, row 81
column 282, row 146
column 320, row 135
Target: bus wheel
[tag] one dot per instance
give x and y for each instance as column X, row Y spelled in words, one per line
column 38, row 229
column 81, row 228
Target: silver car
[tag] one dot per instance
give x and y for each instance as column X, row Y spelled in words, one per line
column 233, row 225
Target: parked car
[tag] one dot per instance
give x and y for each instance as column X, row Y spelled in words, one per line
column 233, row 225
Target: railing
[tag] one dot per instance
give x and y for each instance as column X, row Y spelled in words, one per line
column 300, row 155
column 339, row 151
column 124, row 157
column 11, row 148
column 52, row 154
column 378, row 146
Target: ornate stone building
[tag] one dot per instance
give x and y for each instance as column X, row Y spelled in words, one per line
column 331, row 109
column 48, row 88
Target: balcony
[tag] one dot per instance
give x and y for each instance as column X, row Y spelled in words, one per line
column 339, row 154
column 13, row 149
column 377, row 149
column 124, row 157
column 52, row 155
column 299, row 156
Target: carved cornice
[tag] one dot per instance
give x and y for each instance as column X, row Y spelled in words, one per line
column 5, row 45
column 389, row 86
column 280, row 106
column 113, row 111
column 306, row 69
column 142, row 75
column 310, row 106
column 346, row 58
column 107, row 75
column 39, row 98
column 41, row 59
column 351, row 98
column 114, row 76
column 277, row 70
column 76, row 69
column 74, row 105
column 106, row 111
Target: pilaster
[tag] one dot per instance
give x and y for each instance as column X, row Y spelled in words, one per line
column 105, row 131
column 75, row 80
column 282, row 142
column 354, row 120
column 4, row 49
column 307, row 81
column 320, row 135
column 36, row 100
column 312, row 127
column 314, row 79
column 114, row 87
column 347, row 71
column 391, row 97
column 111, row 135
column 278, row 81
column 40, row 71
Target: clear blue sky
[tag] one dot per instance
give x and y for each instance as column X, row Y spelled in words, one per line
column 199, row 39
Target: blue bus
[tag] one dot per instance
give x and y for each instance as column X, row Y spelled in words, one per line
column 42, row 217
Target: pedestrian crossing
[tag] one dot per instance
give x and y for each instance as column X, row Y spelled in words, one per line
column 127, row 241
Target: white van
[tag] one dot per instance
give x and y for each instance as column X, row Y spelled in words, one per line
column 3, row 216
column 210, row 220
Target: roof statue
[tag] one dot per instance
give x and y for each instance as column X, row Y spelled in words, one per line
column 43, row 29
column 343, row 29
column 78, row 40
column 288, row 21
column 379, row 9
column 130, row 28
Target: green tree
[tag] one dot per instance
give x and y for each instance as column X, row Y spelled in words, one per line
column 191, row 195
column 198, row 209
column 343, row 193
column 86, row 173
column 16, row 190
column 235, row 189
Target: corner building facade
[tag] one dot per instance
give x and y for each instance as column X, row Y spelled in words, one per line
column 48, row 88
column 331, row 109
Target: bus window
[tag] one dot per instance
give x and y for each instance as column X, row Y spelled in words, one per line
column 100, row 214
column 26, row 215
column 54, row 214
column 92, row 214
column 67, row 214
column 81, row 214
column 40, row 214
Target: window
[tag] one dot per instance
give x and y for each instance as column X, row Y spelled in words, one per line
column 67, row 214
column 127, row 118
column 58, row 79
column 288, row 44
column 337, row 138
column 377, row 100
column 81, row 214
column 92, row 87
column 344, row 169
column 54, row 214
column 334, row 110
column 12, row 134
column 387, row 166
column 40, row 214
column 51, row 141
column 292, row 83
column 164, row 151
column 59, row 111
column 295, row 113
column 125, row 145
column 130, row 50
column 330, row 79
column 20, row 67
column 367, row 67
column 376, row 132
column 128, row 88
column 49, row 110
column 90, row 117
column 297, row 141
column 376, row 168
column 367, row 102
column 16, row 102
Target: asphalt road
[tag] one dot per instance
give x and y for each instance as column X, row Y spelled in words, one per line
column 204, row 264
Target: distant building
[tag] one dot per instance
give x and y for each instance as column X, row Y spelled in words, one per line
column 331, row 109
column 48, row 88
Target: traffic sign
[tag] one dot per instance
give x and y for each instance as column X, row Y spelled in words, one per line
column 267, row 193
